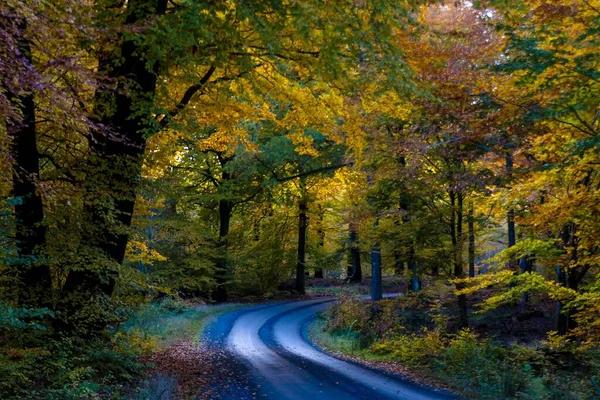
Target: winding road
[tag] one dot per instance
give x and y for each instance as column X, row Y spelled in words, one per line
column 268, row 355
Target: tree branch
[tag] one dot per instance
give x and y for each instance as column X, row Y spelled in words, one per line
column 187, row 96
column 192, row 90
column 312, row 172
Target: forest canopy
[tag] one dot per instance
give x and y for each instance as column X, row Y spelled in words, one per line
column 222, row 150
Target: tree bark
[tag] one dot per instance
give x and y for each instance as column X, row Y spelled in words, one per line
column 568, row 277
column 356, row 276
column 114, row 165
column 510, row 216
column 456, row 234
column 302, row 223
column 222, row 272
column 31, row 273
column 398, row 263
column 525, row 266
column 376, row 279
column 563, row 321
column 415, row 282
column 471, row 228
column 459, row 231
column 321, row 235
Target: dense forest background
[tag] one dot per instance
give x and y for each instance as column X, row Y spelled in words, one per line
column 224, row 150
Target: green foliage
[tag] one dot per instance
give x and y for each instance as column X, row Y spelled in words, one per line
column 546, row 252
column 158, row 324
column 23, row 319
column 475, row 367
column 412, row 350
column 35, row 363
column 67, row 369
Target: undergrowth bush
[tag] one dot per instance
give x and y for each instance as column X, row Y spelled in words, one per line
column 38, row 363
column 479, row 368
column 67, row 369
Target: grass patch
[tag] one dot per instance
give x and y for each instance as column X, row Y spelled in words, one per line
column 170, row 321
column 335, row 291
column 346, row 342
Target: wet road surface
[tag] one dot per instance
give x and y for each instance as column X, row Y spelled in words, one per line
column 267, row 355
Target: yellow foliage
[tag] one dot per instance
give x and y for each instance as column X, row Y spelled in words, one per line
column 138, row 252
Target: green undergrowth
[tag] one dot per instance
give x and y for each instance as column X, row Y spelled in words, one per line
column 36, row 363
column 334, row 291
column 417, row 338
column 158, row 325
column 346, row 343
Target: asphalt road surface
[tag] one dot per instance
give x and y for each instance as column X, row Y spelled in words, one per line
column 265, row 354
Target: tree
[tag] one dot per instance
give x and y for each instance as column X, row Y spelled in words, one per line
column 30, row 273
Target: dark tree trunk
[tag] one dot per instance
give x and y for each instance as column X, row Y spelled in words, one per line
column 415, row 282
column 563, row 321
column 222, row 273
column 452, row 226
column 32, row 275
column 398, row 263
column 403, row 209
column 356, row 276
column 300, row 268
column 456, row 236
column 511, row 228
column 302, row 225
column 568, row 277
column 222, row 270
column 525, row 266
column 398, row 259
column 376, row 280
column 471, row 228
column 114, row 165
column 321, row 235
column 459, row 231
column 510, row 216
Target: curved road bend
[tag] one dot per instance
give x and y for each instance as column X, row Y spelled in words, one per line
column 267, row 349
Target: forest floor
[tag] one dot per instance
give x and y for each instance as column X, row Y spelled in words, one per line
column 179, row 366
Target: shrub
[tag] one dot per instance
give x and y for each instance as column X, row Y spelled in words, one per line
column 412, row 349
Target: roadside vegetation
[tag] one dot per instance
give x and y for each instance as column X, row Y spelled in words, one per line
column 155, row 353
column 500, row 356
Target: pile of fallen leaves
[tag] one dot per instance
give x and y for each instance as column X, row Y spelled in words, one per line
column 189, row 364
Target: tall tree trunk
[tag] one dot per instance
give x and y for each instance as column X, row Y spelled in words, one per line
column 459, row 231
column 568, row 277
column 415, row 282
column 376, row 279
column 525, row 266
column 356, row 276
column 563, row 321
column 456, row 236
column 114, row 166
column 510, row 216
column 403, row 209
column 471, row 228
column 398, row 263
column 31, row 274
column 321, row 235
column 452, row 225
column 222, row 273
column 302, row 223
column 398, row 259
